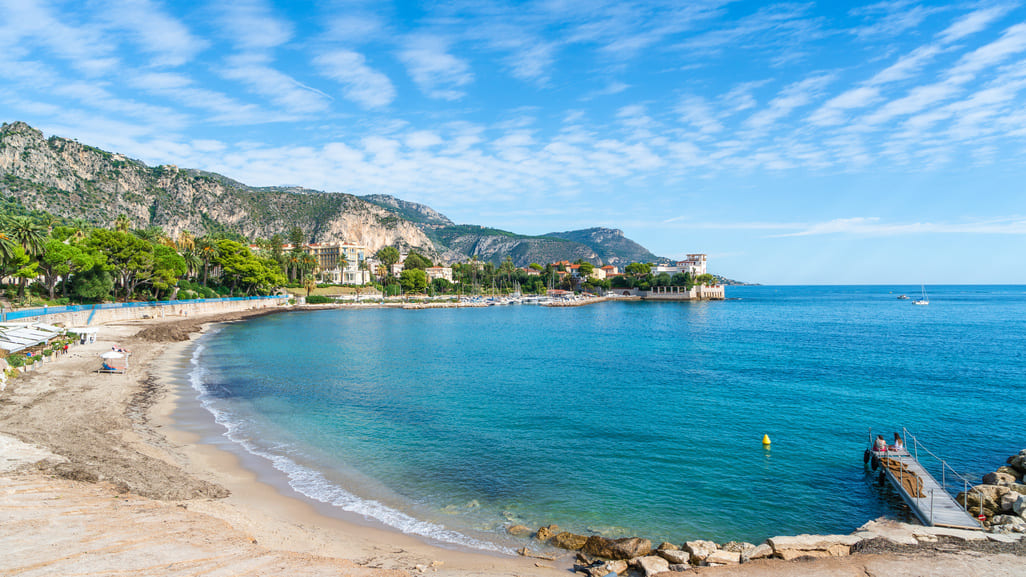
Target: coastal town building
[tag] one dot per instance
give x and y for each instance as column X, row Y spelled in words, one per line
column 444, row 272
column 694, row 263
column 338, row 262
column 610, row 270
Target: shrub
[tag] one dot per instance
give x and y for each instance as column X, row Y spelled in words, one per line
column 15, row 360
column 317, row 300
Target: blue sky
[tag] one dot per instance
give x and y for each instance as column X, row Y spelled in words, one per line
column 797, row 142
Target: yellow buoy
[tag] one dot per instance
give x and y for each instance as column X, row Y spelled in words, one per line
column 765, row 440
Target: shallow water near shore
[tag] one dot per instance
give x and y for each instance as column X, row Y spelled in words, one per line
column 621, row 418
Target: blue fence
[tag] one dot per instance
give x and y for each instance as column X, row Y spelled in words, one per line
column 38, row 312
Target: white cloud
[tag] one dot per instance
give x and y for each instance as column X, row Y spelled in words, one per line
column 436, row 72
column 283, row 90
column 154, row 30
column 974, row 22
column 251, row 24
column 1012, row 41
column 696, row 111
column 362, row 84
column 833, row 111
column 794, row 96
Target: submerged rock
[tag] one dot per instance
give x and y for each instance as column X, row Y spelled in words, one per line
column 518, row 531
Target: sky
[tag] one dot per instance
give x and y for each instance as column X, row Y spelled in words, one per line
column 794, row 143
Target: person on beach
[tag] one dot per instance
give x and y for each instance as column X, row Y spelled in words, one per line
column 899, row 445
column 880, row 444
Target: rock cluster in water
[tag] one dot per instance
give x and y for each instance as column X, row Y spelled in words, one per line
column 1003, row 496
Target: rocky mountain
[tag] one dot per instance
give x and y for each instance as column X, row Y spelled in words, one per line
column 76, row 181
column 493, row 245
column 73, row 180
column 411, row 211
column 610, row 245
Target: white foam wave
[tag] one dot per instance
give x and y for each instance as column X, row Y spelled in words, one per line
column 316, row 486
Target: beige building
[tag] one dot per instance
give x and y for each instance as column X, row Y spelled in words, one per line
column 434, row 272
column 329, row 257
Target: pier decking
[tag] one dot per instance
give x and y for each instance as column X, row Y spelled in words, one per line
column 929, row 500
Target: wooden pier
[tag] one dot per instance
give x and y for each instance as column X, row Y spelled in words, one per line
column 931, row 503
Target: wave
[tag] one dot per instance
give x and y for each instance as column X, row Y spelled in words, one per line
column 314, row 485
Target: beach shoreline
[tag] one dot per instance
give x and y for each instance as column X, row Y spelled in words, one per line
column 83, row 447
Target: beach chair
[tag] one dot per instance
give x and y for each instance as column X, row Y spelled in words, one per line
column 111, row 368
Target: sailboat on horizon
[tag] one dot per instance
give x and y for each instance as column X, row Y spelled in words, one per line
column 924, row 300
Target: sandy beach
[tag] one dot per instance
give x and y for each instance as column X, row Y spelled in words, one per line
column 96, row 479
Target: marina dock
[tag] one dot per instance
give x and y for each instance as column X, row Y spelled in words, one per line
column 928, row 499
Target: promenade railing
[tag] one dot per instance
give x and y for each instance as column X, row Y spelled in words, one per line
column 6, row 316
column 947, row 473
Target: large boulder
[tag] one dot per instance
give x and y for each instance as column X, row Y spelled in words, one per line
column 1008, row 500
column 618, row 566
column 1018, row 461
column 721, row 557
column 991, row 495
column 1010, row 471
column 1008, row 520
column 788, row 547
column 996, row 478
column 567, row 540
column 699, row 549
column 626, row 548
column 675, row 556
column 666, row 546
column 546, row 533
column 760, row 552
column 1019, row 506
column 1018, row 488
column 652, row 564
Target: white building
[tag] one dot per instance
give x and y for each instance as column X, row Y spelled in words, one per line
column 694, row 263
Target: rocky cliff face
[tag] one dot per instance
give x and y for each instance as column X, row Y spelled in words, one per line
column 610, row 245
column 411, row 211
column 76, row 181
column 494, row 245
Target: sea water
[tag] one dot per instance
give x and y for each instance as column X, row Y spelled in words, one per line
column 623, row 418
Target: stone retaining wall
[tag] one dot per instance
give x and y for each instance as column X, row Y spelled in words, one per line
column 101, row 316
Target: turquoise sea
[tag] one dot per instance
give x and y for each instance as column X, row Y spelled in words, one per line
column 622, row 418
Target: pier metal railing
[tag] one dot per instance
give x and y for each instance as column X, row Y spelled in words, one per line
column 912, row 448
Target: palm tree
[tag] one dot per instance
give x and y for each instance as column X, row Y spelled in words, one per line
column 309, row 284
column 27, row 233
column 7, row 244
column 122, row 224
column 382, row 272
column 208, row 251
column 185, row 242
column 192, row 262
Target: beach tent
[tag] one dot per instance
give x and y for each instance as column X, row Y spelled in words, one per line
column 15, row 337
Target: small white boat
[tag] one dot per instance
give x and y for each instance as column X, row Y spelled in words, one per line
column 922, row 301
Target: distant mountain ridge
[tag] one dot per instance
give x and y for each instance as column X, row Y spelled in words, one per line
column 76, row 181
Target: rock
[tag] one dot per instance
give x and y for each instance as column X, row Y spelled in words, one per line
column 760, row 552
column 1018, row 462
column 1010, row 471
column 546, row 533
column 679, row 568
column 619, row 567
column 534, row 555
column 1013, row 520
column 626, row 548
column 1009, row 499
column 1003, row 479
column 699, row 549
column 675, row 556
column 788, row 548
column 631, row 547
column 664, row 546
column 1019, row 506
column 518, row 531
column 567, row 540
column 1018, row 488
column 737, row 546
column 652, row 564
column 991, row 496
column 721, row 557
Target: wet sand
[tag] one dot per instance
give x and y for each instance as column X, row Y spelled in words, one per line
column 97, row 479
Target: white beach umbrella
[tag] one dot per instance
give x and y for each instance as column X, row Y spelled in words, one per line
column 112, row 355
